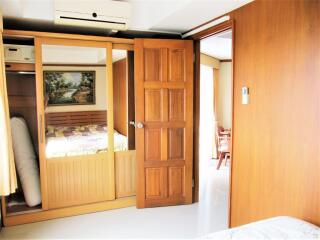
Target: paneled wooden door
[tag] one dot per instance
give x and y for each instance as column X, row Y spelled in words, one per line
column 164, row 121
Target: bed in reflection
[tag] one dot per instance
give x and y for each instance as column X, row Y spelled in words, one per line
column 79, row 133
column 80, row 168
column 65, row 141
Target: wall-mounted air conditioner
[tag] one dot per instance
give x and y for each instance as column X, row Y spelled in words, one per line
column 106, row 14
column 18, row 53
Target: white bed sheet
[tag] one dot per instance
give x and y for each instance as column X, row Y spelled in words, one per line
column 273, row 228
column 83, row 145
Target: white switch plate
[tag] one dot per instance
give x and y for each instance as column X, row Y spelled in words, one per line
column 245, row 95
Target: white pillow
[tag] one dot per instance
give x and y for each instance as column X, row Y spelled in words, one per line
column 26, row 161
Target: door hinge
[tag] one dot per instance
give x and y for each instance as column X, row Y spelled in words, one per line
column 194, row 57
column 193, row 183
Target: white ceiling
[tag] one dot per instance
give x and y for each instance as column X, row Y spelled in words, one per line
column 53, row 54
column 175, row 16
column 218, row 46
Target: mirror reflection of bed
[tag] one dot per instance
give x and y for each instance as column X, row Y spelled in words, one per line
column 79, row 130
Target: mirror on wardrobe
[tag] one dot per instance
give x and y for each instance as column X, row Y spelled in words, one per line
column 123, row 100
column 75, row 94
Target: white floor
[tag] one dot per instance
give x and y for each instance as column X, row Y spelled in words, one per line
column 189, row 221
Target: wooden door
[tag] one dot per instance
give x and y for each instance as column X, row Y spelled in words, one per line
column 164, row 121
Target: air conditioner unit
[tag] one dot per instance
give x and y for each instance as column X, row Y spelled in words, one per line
column 18, row 53
column 108, row 14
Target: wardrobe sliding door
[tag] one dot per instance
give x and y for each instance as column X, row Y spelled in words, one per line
column 75, row 119
column 124, row 116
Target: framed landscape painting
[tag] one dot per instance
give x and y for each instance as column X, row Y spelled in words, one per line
column 70, row 87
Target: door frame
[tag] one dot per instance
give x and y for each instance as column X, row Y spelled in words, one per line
column 196, row 133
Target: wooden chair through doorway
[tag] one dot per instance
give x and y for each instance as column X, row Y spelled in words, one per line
column 223, row 142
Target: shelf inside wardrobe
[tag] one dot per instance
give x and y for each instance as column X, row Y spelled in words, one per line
column 16, row 205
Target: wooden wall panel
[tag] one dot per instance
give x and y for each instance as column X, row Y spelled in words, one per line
column 120, row 105
column 276, row 157
column 78, row 180
column 125, row 162
column 76, row 118
column 131, row 101
column 22, row 99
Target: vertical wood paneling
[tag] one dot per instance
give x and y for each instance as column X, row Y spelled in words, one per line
column 41, row 121
column 125, row 173
column 78, row 180
column 276, row 157
column 120, row 102
column 131, row 101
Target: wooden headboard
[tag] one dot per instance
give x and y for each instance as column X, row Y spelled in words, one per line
column 76, row 118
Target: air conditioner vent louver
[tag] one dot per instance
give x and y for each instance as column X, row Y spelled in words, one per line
column 96, row 14
column 92, row 20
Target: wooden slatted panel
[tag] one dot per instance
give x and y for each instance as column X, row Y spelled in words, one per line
column 76, row 118
column 78, row 180
column 125, row 162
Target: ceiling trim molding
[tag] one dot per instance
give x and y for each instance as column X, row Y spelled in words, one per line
column 205, row 26
column 33, row 34
column 213, row 30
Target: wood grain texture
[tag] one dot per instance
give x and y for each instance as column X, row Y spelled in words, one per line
column 27, row 67
column 76, row 118
column 124, row 42
column 110, row 121
column 120, row 103
column 41, row 121
column 22, row 100
column 125, row 167
column 196, row 120
column 131, row 101
column 73, row 173
column 276, row 158
column 79, row 180
column 68, row 211
column 164, row 104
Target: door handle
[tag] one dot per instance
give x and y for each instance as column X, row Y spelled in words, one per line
column 132, row 123
column 139, row 125
column 136, row 125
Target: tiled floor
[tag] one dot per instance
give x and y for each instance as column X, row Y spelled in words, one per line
column 188, row 221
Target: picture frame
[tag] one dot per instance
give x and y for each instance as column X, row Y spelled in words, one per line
column 70, row 87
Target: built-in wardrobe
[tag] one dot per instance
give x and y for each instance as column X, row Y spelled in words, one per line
column 110, row 122
column 84, row 144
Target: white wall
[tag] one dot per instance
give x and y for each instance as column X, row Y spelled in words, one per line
column 209, row 61
column 101, row 90
column 207, row 118
column 225, row 94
